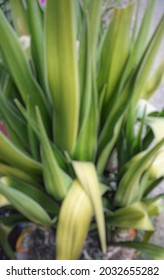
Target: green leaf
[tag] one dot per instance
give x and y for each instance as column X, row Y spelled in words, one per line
column 5, row 81
column 129, row 129
column 35, row 21
column 132, row 216
column 4, row 234
column 138, row 142
column 89, row 98
column 74, row 220
column 154, row 81
column 141, row 41
column 3, row 201
column 15, row 124
column 85, row 142
column 104, row 156
column 13, row 218
column 154, row 205
column 130, row 182
column 152, row 184
column 32, row 136
column 19, row 17
column 56, row 180
column 157, row 169
column 9, row 90
column 85, row 75
column 25, row 113
column 153, row 251
column 34, row 192
column 20, row 69
column 62, row 71
column 143, row 185
column 17, row 158
column 26, row 205
column 115, row 112
column 86, row 174
column 94, row 17
column 33, row 126
column 144, row 106
column 101, row 99
column 79, row 18
column 157, row 126
column 7, row 170
column 117, row 41
column 147, row 62
column 136, row 21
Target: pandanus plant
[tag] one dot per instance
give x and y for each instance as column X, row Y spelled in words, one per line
column 69, row 96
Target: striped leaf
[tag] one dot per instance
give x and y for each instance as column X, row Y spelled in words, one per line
column 26, row 205
column 35, row 21
column 132, row 216
column 3, row 201
column 17, row 158
column 19, row 17
column 130, row 182
column 147, row 62
column 74, row 220
column 56, row 180
column 33, row 191
column 117, row 41
column 157, row 126
column 62, row 71
column 20, row 70
column 94, row 17
column 154, row 81
column 104, row 156
column 141, row 40
column 154, row 205
column 7, row 170
column 14, row 124
column 86, row 174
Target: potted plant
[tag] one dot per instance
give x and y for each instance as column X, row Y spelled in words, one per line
column 69, row 101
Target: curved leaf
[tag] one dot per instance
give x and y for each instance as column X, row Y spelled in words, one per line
column 86, row 174
column 74, row 220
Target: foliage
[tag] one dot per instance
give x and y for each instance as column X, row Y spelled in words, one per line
column 69, row 93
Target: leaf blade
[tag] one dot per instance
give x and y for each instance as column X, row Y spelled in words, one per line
column 62, row 71
column 86, row 174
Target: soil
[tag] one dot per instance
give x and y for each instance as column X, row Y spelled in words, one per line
column 92, row 250
column 34, row 243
